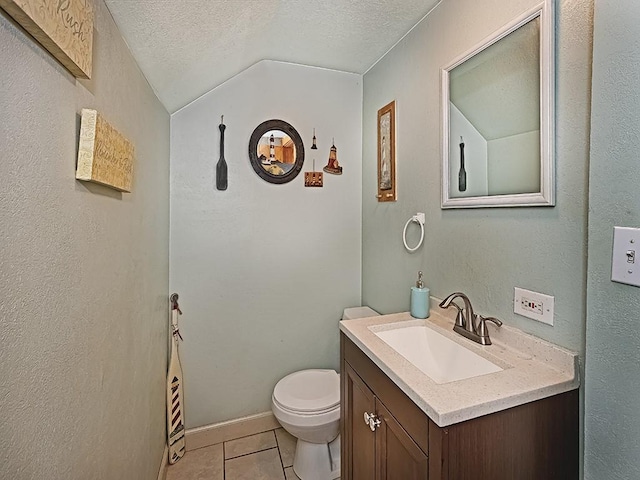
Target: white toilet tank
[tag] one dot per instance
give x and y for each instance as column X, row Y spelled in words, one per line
column 358, row 312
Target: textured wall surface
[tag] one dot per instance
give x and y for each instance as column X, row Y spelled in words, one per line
column 612, row 425
column 263, row 271
column 83, row 270
column 483, row 252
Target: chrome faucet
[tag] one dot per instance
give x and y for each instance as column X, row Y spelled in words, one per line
column 469, row 324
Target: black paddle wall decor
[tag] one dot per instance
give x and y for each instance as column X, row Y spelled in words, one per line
column 221, row 166
column 462, row 174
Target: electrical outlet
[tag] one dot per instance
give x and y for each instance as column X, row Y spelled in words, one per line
column 536, row 306
column 532, row 306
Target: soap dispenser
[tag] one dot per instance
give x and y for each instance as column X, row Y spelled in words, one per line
column 419, row 299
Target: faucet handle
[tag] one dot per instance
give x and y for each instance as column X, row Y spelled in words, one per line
column 460, row 320
column 482, row 327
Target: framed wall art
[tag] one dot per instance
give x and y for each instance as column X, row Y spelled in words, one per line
column 387, row 153
column 63, row 27
column 105, row 156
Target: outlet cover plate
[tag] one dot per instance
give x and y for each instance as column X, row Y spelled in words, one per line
column 536, row 306
column 625, row 263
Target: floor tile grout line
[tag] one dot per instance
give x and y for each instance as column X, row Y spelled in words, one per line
column 275, row 438
column 280, row 455
column 223, row 447
column 224, row 461
column 277, row 447
column 251, row 453
column 250, row 435
column 224, row 467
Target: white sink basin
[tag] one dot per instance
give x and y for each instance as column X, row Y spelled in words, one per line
column 440, row 358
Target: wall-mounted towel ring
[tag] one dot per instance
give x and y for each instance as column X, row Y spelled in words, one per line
column 418, row 218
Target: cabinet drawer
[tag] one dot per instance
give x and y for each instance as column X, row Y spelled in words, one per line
column 407, row 413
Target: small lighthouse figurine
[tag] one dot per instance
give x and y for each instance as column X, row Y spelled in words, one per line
column 272, row 149
column 333, row 166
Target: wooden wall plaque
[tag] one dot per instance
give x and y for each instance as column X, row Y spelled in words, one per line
column 104, row 155
column 387, row 191
column 63, row 27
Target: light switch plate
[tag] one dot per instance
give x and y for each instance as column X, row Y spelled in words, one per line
column 625, row 263
column 536, row 306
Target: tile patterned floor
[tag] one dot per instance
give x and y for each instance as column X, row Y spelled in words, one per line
column 265, row 456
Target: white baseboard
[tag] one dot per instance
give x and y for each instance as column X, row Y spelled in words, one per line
column 221, row 432
column 162, row 473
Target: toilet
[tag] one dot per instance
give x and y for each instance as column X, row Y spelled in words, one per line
column 307, row 405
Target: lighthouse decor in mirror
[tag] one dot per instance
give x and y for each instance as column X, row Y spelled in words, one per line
column 498, row 118
column 276, row 151
column 387, row 153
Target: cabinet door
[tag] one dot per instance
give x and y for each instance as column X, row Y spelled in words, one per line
column 359, row 446
column 398, row 456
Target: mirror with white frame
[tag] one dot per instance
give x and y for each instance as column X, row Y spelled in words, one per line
column 497, row 118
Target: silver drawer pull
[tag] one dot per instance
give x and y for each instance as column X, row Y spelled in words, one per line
column 372, row 420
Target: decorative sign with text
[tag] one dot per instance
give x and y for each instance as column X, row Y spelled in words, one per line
column 63, row 27
column 104, row 155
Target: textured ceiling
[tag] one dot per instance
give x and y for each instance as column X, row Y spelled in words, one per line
column 186, row 48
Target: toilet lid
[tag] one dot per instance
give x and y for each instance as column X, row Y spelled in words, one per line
column 309, row 390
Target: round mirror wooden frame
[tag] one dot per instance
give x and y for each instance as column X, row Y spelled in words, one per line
column 257, row 163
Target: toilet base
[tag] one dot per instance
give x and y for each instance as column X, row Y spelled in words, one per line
column 317, row 461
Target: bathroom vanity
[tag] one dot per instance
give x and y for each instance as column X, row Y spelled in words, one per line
column 521, row 422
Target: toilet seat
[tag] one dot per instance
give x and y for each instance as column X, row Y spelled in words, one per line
column 308, row 392
column 304, row 414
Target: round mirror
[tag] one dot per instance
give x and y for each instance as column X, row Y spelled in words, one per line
column 276, row 151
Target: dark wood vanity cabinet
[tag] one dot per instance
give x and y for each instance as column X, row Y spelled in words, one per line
column 385, row 452
column 535, row 441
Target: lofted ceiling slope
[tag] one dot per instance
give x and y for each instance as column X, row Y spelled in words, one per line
column 186, row 48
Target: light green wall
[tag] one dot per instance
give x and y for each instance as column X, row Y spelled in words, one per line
column 612, row 385
column 483, row 252
column 263, row 270
column 83, row 270
column 514, row 165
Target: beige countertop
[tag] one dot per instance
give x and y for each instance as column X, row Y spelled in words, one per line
column 532, row 368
